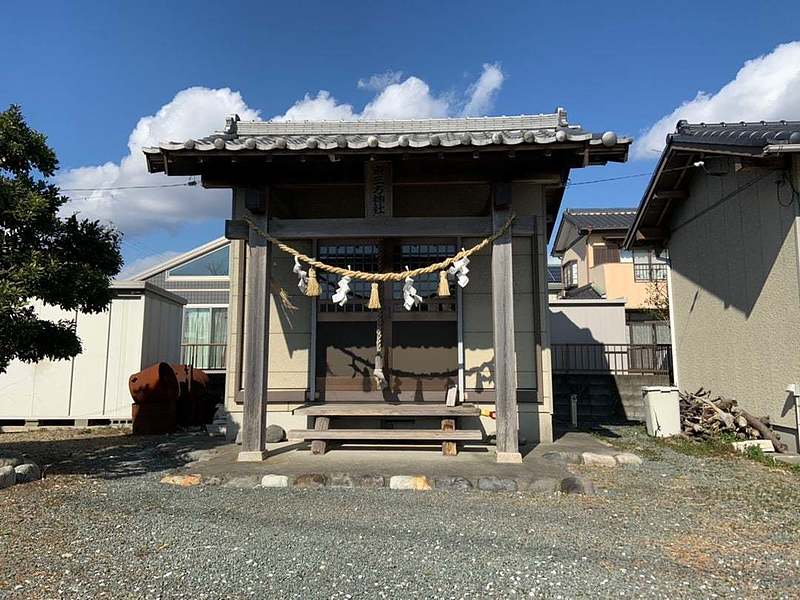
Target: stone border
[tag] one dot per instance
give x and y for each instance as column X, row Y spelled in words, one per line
column 594, row 459
column 572, row 484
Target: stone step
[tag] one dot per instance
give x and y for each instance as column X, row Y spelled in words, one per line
column 437, row 435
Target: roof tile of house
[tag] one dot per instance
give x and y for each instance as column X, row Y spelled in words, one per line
column 411, row 133
column 600, row 219
column 755, row 134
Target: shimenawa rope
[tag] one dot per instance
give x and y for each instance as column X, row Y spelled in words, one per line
column 380, row 277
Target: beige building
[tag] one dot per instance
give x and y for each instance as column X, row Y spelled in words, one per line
column 725, row 202
column 595, row 266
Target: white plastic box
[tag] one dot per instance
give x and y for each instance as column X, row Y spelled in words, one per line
column 662, row 410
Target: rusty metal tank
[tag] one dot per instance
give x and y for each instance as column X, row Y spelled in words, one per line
column 167, row 395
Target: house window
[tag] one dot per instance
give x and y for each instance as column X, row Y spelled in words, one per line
column 606, row 253
column 213, row 265
column 205, row 334
column 648, row 265
column 570, row 274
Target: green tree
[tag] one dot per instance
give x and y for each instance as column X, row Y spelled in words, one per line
column 65, row 262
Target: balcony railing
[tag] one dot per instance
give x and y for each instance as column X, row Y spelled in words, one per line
column 650, row 272
column 210, row 357
column 615, row 359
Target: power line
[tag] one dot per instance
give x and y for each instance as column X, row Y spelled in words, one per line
column 570, row 183
column 694, row 165
column 189, row 183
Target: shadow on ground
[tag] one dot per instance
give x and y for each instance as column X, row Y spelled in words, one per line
column 109, row 454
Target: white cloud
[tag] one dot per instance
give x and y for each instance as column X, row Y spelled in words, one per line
column 198, row 111
column 194, row 112
column 765, row 88
column 483, row 92
column 139, row 265
column 397, row 98
column 408, row 99
column 380, row 81
column 323, row 106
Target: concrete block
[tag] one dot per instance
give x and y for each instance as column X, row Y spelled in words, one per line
column 573, row 458
column 765, row 445
column 545, row 485
column 310, row 481
column 250, row 482
column 409, row 482
column 10, row 461
column 28, row 472
column 452, row 483
column 577, row 485
column 497, row 484
column 275, row 481
column 8, row 476
column 509, row 457
column 182, row 480
column 251, row 456
column 368, row 481
column 598, row 460
column 628, row 458
column 340, row 480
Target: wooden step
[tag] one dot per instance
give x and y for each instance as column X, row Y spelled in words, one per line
column 387, row 409
column 436, row 435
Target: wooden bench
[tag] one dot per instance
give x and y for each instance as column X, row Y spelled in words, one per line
column 448, row 435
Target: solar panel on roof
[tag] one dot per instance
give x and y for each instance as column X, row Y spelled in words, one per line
column 553, row 274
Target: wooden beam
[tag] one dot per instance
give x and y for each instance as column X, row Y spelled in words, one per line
column 256, row 355
column 255, row 200
column 671, row 194
column 538, row 259
column 651, row 233
column 505, row 381
column 312, row 347
column 433, row 435
column 387, row 409
column 237, row 229
column 319, row 446
column 384, row 227
column 449, row 448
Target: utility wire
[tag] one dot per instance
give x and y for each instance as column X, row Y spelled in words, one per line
column 571, row 184
column 189, row 183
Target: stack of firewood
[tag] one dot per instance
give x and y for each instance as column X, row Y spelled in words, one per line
column 704, row 417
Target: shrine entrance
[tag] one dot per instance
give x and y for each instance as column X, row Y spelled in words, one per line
column 418, row 348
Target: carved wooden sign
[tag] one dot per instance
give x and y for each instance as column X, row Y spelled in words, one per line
column 378, row 189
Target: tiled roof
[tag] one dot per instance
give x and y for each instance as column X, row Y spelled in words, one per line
column 600, row 219
column 759, row 134
column 585, row 292
column 410, row 133
column 753, row 140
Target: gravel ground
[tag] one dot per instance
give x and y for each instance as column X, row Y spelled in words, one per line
column 681, row 527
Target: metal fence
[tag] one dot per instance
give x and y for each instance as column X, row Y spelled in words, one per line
column 615, row 359
column 210, row 357
column 650, row 272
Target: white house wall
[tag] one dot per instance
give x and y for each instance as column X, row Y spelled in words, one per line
column 94, row 385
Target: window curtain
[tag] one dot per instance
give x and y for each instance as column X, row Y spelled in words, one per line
column 219, row 335
column 196, row 333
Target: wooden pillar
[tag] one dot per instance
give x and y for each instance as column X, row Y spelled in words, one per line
column 537, row 261
column 256, row 353
column 505, row 378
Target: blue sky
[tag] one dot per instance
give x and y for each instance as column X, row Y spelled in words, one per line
column 86, row 73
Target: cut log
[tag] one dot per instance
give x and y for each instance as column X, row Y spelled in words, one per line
column 765, row 432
